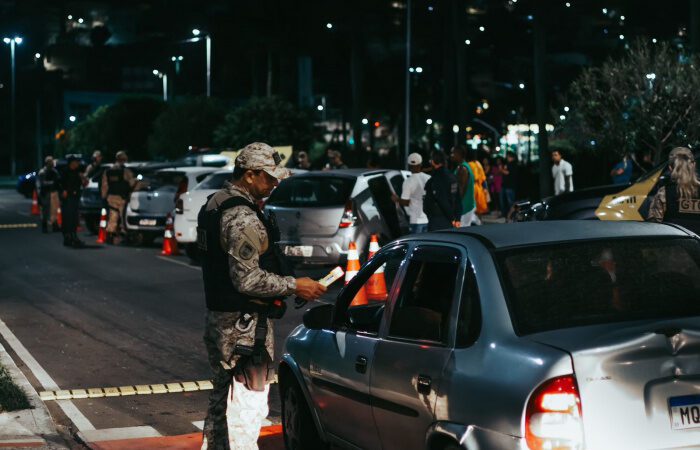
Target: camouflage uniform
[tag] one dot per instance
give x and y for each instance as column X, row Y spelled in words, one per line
column 244, row 238
column 657, row 210
column 117, row 203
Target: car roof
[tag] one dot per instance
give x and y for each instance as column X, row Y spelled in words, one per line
column 345, row 173
column 554, row 231
column 187, row 169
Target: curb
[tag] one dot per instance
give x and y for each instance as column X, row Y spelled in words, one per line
column 36, row 421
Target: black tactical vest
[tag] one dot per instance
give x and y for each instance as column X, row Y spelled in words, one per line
column 117, row 184
column 684, row 212
column 218, row 289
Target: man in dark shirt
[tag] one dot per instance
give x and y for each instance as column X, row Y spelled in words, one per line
column 442, row 202
column 72, row 184
column 47, row 184
column 510, row 183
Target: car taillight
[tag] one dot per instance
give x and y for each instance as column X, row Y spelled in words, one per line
column 181, row 188
column 348, row 218
column 179, row 206
column 553, row 416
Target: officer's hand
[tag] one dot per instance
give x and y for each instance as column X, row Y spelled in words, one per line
column 309, row 289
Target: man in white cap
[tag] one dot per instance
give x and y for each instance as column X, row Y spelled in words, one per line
column 412, row 194
column 246, row 280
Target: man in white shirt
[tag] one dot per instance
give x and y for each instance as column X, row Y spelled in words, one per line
column 562, row 173
column 412, row 194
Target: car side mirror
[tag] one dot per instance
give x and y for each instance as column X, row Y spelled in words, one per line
column 319, row 317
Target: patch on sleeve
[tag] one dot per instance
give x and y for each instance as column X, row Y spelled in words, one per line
column 246, row 251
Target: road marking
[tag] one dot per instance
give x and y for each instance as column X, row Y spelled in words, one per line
column 175, row 261
column 117, row 434
column 69, row 409
column 15, row 226
column 124, row 391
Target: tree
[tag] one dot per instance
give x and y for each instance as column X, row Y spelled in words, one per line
column 124, row 125
column 188, row 123
column 269, row 120
column 646, row 101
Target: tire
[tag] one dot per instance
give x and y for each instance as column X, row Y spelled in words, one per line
column 298, row 426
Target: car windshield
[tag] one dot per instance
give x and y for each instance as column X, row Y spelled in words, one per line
column 215, row 181
column 312, row 191
column 598, row 282
column 168, row 180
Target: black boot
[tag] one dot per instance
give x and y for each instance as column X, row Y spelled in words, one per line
column 55, row 227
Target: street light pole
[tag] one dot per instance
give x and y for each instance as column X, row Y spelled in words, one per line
column 408, row 82
column 208, row 41
column 164, row 78
column 13, row 101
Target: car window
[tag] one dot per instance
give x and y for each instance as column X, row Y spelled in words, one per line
column 422, row 309
column 312, row 191
column 397, row 183
column 592, row 283
column 167, row 180
column 377, row 280
column 199, row 178
column 215, row 181
column 469, row 316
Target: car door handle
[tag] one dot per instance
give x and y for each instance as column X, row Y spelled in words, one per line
column 361, row 364
column 424, row 384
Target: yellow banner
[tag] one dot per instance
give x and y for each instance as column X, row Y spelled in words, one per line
column 625, row 204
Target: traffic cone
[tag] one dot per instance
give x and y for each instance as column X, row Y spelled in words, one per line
column 352, row 268
column 376, row 285
column 102, row 234
column 169, row 242
column 35, row 204
column 59, row 218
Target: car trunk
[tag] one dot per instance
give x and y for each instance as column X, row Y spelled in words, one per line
column 639, row 382
column 153, row 203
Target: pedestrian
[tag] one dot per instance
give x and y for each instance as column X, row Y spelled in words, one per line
column 679, row 201
column 510, row 171
column 117, row 183
column 95, row 166
column 465, row 178
column 412, row 194
column 246, row 279
column 302, row 161
column 480, row 189
column 335, row 161
column 442, row 203
column 495, row 178
column 622, row 172
column 47, row 185
column 562, row 173
column 72, row 183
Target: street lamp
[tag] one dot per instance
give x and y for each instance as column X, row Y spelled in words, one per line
column 164, row 77
column 196, row 32
column 12, row 42
column 177, row 60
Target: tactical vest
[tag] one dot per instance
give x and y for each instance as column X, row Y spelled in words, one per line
column 48, row 181
column 117, row 184
column 684, row 212
column 219, row 292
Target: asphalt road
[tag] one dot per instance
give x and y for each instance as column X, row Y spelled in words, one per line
column 110, row 316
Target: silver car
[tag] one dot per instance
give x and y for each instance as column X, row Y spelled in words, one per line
column 320, row 213
column 542, row 335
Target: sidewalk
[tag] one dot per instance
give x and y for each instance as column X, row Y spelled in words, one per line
column 29, row 428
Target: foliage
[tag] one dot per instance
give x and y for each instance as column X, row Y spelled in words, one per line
column 124, row 125
column 188, row 123
column 12, row 397
column 271, row 120
column 646, row 101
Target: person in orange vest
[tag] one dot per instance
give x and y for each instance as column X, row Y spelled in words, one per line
column 47, row 184
column 480, row 187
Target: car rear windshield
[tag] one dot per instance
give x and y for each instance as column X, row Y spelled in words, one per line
column 312, row 191
column 215, row 181
column 598, row 282
column 169, row 180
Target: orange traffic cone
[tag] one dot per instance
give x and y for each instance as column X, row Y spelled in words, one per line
column 59, row 217
column 169, row 242
column 102, row 234
column 35, row 204
column 376, row 285
column 352, row 268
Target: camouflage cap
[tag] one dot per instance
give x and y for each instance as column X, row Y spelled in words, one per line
column 260, row 156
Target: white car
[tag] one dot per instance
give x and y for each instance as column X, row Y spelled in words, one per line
column 155, row 198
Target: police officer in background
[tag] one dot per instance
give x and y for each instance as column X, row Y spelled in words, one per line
column 72, row 183
column 442, row 203
column 246, row 279
column 117, row 184
column 47, row 185
column 94, row 167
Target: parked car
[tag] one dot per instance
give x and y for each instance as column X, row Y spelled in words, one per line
column 154, row 199
column 612, row 202
column 320, row 213
column 541, row 335
column 27, row 183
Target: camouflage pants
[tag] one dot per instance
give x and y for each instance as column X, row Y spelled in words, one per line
column 116, row 204
column 221, row 335
column 49, row 207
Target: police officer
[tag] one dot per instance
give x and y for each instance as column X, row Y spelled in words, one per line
column 442, row 203
column 47, row 185
column 94, row 167
column 72, row 183
column 246, row 279
column 679, row 201
column 117, row 183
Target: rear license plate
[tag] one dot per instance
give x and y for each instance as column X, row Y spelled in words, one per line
column 685, row 412
column 299, row 250
column 147, row 222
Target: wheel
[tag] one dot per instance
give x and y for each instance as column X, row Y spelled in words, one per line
column 192, row 252
column 298, row 426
